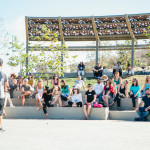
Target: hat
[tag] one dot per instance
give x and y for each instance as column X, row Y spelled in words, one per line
column 76, row 87
column 104, row 78
column 1, row 62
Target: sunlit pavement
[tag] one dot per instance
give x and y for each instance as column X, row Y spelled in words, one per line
column 74, row 135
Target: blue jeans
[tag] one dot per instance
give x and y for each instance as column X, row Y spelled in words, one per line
column 100, row 98
column 142, row 113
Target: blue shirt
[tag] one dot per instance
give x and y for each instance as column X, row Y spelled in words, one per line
column 135, row 89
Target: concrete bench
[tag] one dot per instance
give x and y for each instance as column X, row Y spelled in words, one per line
column 126, row 104
column 124, row 115
column 55, row 113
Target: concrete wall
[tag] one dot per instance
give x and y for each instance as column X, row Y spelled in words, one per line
column 55, row 113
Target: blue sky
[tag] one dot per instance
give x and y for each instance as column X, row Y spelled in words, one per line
column 14, row 11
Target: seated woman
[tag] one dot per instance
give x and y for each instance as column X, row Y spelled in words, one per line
column 19, row 82
column 134, row 91
column 147, row 85
column 122, row 93
column 104, row 78
column 76, row 98
column 47, row 101
column 90, row 97
column 64, row 95
column 39, row 89
column 116, row 80
column 108, row 92
column 55, row 85
column 130, row 70
column 31, row 80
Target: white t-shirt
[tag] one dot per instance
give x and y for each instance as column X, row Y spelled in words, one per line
column 77, row 98
column 79, row 84
column 98, row 88
column 117, row 67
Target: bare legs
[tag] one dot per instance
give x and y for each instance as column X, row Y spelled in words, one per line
column 105, row 99
column 23, row 96
column 87, row 110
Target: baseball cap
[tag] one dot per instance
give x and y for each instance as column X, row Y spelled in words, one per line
column 1, row 62
column 99, row 78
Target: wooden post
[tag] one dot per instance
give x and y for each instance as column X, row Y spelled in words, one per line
column 27, row 59
column 132, row 54
column 96, row 52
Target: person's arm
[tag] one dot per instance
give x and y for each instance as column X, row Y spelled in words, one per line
column 53, row 83
column 33, row 82
column 137, row 92
column 144, row 88
column 85, row 98
column 126, row 89
column 83, row 87
column 94, row 98
column 148, row 108
column 137, row 109
column 69, row 93
column 58, row 82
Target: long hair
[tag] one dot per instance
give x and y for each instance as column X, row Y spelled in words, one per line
column 77, row 91
column 109, row 82
column 63, row 81
column 54, row 77
column 146, row 81
column 136, row 82
column 82, row 63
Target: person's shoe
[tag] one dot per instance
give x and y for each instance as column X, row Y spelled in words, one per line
column 144, row 119
column 51, row 105
column 1, row 130
column 118, row 108
column 12, row 105
column 137, row 119
column 84, row 79
column 4, row 114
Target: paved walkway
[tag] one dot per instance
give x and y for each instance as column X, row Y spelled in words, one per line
column 74, row 135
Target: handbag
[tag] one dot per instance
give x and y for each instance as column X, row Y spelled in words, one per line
column 97, row 105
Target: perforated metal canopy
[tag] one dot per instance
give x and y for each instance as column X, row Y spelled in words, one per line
column 91, row 28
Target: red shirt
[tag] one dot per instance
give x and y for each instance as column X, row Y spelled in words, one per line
column 111, row 89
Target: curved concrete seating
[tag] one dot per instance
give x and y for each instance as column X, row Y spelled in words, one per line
column 124, row 115
column 126, row 104
column 55, row 113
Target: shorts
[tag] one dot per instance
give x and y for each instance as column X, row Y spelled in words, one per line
column 63, row 97
column 2, row 100
column 39, row 96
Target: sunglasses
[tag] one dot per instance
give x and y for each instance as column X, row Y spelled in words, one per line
column 133, row 81
column 75, row 89
column 39, row 81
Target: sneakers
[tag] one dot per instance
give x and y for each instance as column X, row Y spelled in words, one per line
column 1, row 130
column 11, row 105
column 137, row 119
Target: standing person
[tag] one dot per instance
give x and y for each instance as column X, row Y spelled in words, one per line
column 116, row 80
column 76, row 98
column 134, row 91
column 98, row 70
column 122, row 93
column 55, row 85
column 147, row 85
column 26, row 91
column 98, row 88
column 143, row 112
column 79, row 83
column 90, row 97
column 31, row 80
column 3, row 85
column 12, row 84
column 108, row 92
column 65, row 93
column 81, row 69
column 39, row 89
column 118, row 68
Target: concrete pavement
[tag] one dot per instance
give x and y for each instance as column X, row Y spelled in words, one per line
column 74, row 135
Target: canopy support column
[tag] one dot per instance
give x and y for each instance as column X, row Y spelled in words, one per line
column 97, row 51
column 132, row 54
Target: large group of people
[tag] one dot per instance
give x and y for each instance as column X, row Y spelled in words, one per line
column 62, row 95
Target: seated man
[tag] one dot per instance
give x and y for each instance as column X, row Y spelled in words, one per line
column 26, row 91
column 79, row 83
column 81, row 69
column 130, row 70
column 144, row 111
column 118, row 68
column 12, row 84
column 98, row 70
column 98, row 88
